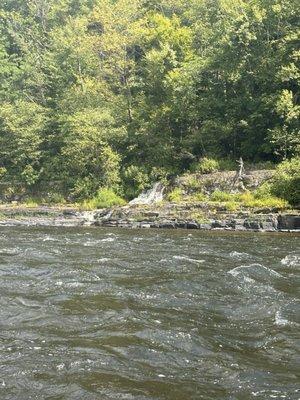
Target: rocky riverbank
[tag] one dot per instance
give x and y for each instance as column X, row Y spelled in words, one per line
column 194, row 206
column 163, row 216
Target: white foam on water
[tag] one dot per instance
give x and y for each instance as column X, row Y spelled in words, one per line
column 74, row 284
column 291, row 260
column 90, row 243
column 279, row 320
column 103, row 259
column 9, row 251
column 28, row 303
column 192, row 260
column 252, row 267
column 238, row 255
column 109, row 239
column 249, row 280
column 49, row 239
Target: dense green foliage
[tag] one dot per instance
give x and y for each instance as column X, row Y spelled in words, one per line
column 119, row 93
column 104, row 198
column 286, row 182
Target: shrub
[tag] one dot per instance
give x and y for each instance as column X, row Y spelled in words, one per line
column 32, row 202
column 260, row 198
column 286, row 181
column 55, row 198
column 245, row 197
column 226, row 164
column 199, row 197
column 218, row 195
column 175, row 196
column 271, row 202
column 104, row 198
column 192, row 183
column 231, row 205
column 251, row 200
column 135, row 180
column 159, row 174
column 3, row 171
column 83, row 188
column 206, row 166
column 264, row 191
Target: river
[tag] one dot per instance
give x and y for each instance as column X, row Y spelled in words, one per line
column 91, row 313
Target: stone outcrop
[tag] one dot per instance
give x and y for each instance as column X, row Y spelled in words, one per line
column 195, row 216
column 225, row 181
column 163, row 216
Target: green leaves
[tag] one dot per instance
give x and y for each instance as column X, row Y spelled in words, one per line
column 90, row 88
column 21, row 138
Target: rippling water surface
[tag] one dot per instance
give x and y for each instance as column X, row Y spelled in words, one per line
column 124, row 314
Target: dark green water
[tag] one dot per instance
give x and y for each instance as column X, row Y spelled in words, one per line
column 124, row 314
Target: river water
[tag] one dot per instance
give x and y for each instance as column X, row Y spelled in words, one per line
column 91, row 313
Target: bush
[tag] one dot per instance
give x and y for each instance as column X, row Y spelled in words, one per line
column 286, row 181
column 83, row 188
column 264, row 191
column 231, row 205
column 192, row 183
column 206, row 166
column 55, row 198
column 244, row 198
column 199, row 197
column 260, row 198
column 226, row 164
column 252, row 200
column 175, row 196
column 218, row 195
column 135, row 180
column 32, row 202
column 104, row 198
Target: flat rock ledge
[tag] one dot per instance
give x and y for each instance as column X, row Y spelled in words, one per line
column 145, row 218
column 265, row 223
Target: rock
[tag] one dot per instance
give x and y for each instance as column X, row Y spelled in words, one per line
column 192, row 225
column 151, row 214
column 268, row 226
column 218, row 224
column 69, row 213
column 205, row 226
column 253, row 225
column 181, row 224
column 109, row 223
column 289, row 222
column 145, row 225
column 167, row 225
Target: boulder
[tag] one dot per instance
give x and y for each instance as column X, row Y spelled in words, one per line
column 289, row 222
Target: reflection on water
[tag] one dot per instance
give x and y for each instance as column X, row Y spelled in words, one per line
column 125, row 314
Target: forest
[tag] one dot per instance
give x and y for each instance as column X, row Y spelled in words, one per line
column 121, row 93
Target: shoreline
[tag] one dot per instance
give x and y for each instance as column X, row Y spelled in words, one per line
column 154, row 217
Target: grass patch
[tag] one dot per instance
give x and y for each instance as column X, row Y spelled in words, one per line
column 175, row 196
column 199, row 217
column 258, row 199
column 104, row 198
column 220, row 196
column 231, row 205
column 198, row 197
column 193, row 184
